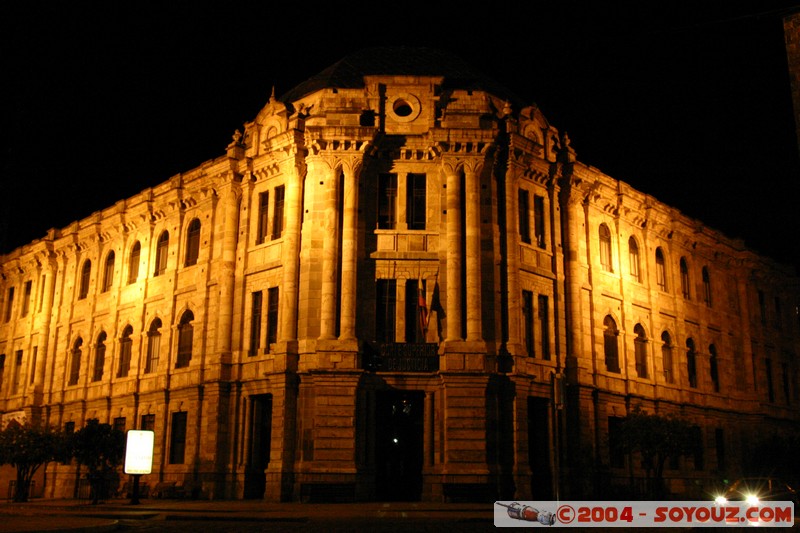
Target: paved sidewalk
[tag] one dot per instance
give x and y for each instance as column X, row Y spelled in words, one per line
column 79, row 516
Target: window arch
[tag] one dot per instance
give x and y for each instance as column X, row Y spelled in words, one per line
column 610, row 347
column 108, row 272
column 691, row 363
column 75, row 362
column 685, row 285
column 153, row 346
column 633, row 259
column 640, row 351
column 192, row 242
column 125, row 345
column 706, row 287
column 133, row 263
column 86, row 273
column 666, row 357
column 162, row 248
column 185, row 338
column 661, row 270
column 713, row 362
column 99, row 356
column 605, row 248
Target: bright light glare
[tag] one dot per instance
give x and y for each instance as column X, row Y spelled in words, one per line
column 752, row 499
column 722, row 500
column 394, row 440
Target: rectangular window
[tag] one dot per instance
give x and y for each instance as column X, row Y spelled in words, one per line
column 153, row 352
column 719, row 440
column 277, row 215
column 414, row 319
column 33, row 364
column 26, row 298
column 785, row 380
column 544, row 326
column 524, row 216
column 770, row 386
column 762, row 306
column 2, row 369
column 272, row 316
column 616, row 452
column 528, row 318
column 699, row 448
column 148, row 422
column 415, row 201
column 255, row 322
column 387, row 201
column 263, row 217
column 776, row 319
column 119, row 424
column 538, row 221
column 9, row 304
column 385, row 304
column 177, row 438
column 17, row 371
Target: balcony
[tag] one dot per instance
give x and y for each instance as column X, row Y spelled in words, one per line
column 401, row 357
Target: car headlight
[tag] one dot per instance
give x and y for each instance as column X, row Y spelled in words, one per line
column 751, row 499
column 722, row 500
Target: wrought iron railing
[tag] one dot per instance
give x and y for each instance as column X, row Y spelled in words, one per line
column 401, row 357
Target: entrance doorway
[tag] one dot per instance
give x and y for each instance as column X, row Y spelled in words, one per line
column 259, row 433
column 539, row 448
column 398, row 445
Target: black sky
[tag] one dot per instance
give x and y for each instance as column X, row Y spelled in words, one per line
column 687, row 101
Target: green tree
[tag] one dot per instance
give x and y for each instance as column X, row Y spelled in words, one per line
column 99, row 448
column 656, row 438
column 27, row 447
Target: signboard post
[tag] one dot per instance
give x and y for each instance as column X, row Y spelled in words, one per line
column 138, row 457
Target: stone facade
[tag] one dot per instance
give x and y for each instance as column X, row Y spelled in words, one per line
column 791, row 32
column 397, row 283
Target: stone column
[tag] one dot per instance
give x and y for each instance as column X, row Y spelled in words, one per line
column 349, row 254
column 512, row 262
column 454, row 255
column 291, row 256
column 231, row 194
column 49, row 271
column 330, row 249
column 473, row 249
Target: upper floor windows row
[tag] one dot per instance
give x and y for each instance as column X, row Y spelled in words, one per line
column 191, row 254
column 531, row 218
column 661, row 266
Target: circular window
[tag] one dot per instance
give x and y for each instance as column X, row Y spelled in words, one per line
column 404, row 107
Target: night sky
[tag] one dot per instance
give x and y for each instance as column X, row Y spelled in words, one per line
column 686, row 101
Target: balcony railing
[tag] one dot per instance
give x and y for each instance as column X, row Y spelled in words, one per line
column 401, row 357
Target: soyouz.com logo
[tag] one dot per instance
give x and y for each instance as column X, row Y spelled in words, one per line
column 642, row 514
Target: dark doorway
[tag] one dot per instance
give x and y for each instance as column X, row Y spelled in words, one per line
column 259, row 433
column 539, row 448
column 398, row 445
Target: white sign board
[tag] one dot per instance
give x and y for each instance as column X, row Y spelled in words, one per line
column 139, row 451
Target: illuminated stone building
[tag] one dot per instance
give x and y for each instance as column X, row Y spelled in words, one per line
column 398, row 282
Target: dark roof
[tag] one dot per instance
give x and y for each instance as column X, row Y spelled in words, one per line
column 349, row 72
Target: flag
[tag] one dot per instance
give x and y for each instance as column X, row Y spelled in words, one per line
column 423, row 309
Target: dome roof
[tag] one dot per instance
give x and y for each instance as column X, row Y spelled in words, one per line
column 349, row 72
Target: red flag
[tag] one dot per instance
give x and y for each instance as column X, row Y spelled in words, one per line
column 423, row 308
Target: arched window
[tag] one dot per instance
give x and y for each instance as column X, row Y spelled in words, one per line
column 161, row 253
column 153, row 346
column 192, row 243
column 125, row 345
column 706, row 287
column 133, row 263
column 99, row 357
column 86, row 273
column 685, row 279
column 713, row 367
column 691, row 363
column 610, row 333
column 640, row 351
column 185, row 338
column 666, row 357
column 661, row 270
column 633, row 257
column 75, row 362
column 605, row 248
column 108, row 272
